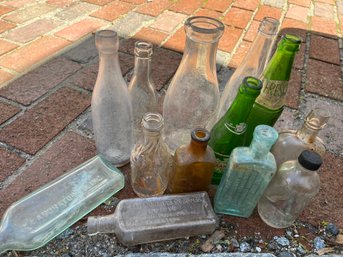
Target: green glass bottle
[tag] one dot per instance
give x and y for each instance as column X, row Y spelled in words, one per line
column 269, row 104
column 228, row 132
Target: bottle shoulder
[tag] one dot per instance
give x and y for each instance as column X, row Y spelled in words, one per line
column 242, row 156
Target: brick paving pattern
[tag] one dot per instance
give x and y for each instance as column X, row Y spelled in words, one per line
column 48, row 67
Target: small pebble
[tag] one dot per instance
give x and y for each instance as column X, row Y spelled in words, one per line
column 332, row 229
column 258, row 249
column 285, row 254
column 234, row 243
column 296, row 236
column 289, row 234
column 282, row 241
column 318, row 243
column 301, row 250
column 273, row 246
column 219, row 248
column 245, row 247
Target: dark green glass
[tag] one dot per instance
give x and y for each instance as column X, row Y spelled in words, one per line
column 228, row 132
column 269, row 104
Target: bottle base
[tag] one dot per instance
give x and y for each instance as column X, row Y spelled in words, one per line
column 233, row 212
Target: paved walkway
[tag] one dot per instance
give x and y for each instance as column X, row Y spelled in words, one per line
column 49, row 61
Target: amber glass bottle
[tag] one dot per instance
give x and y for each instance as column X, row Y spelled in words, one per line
column 193, row 164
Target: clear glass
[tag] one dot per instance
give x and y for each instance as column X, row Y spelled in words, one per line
column 40, row 216
column 111, row 103
column 247, row 175
column 228, row 132
column 141, row 87
column 193, row 164
column 151, row 161
column 193, row 94
column 290, row 191
column 252, row 65
column 291, row 143
column 145, row 220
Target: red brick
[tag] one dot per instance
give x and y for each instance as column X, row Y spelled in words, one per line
column 297, row 13
column 80, row 29
column 154, row 8
column 151, row 35
column 293, row 92
column 177, row 41
column 134, row 1
column 32, row 30
column 113, row 10
column 324, row 10
column 186, row 6
column 229, row 39
column 300, row 57
column 98, row 2
column 38, row 82
column 252, row 31
column 9, row 162
column 19, row 3
column 333, row 2
column 323, row 25
column 23, row 58
column 6, row 46
column 268, row 11
column 239, row 55
column 4, row 26
column 247, row 4
column 324, row 79
column 238, row 18
column 5, row 9
column 5, row 77
column 7, row 112
column 208, row 13
column 221, row 5
column 324, row 49
column 69, row 152
column 305, row 3
column 168, row 21
column 31, row 131
column 290, row 23
column 69, row 13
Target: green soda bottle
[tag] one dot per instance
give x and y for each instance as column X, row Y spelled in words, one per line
column 269, row 104
column 228, row 132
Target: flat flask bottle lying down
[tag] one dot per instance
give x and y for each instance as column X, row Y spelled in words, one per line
column 146, row 220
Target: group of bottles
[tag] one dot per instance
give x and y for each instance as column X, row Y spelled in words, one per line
column 177, row 153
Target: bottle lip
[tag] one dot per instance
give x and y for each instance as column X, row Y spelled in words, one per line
column 271, row 23
column 252, row 82
column 205, row 26
column 143, row 49
column 266, row 134
column 106, row 33
column 317, row 118
column 152, row 122
column 200, row 135
column 106, row 41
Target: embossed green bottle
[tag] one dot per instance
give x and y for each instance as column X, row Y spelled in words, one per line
column 228, row 132
column 269, row 104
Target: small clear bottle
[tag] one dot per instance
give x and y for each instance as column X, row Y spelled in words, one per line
column 151, row 161
column 290, row 191
column 247, row 175
column 291, row 143
column 141, row 87
column 252, row 65
column 111, row 103
column 193, row 164
column 40, row 216
column 146, row 220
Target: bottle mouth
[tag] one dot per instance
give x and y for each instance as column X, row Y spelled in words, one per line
column 317, row 118
column 269, row 26
column 204, row 29
column 266, row 134
column 200, row 135
column 106, row 41
column 143, row 49
column 152, row 122
column 290, row 43
column 252, row 85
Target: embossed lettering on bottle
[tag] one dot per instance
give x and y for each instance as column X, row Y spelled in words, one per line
column 273, row 93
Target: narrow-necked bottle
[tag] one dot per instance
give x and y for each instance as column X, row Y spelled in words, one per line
column 193, row 94
column 291, row 143
column 247, row 175
column 141, row 87
column 228, row 132
column 290, row 191
column 193, row 164
column 253, row 63
column 111, row 104
column 151, row 161
column 269, row 104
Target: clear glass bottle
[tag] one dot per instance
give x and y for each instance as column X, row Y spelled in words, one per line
column 111, row 103
column 291, row 143
column 247, row 175
column 141, row 87
column 40, row 216
column 151, row 161
column 253, row 63
column 290, row 191
column 145, row 220
column 269, row 104
column 193, row 164
column 228, row 132
column 193, row 94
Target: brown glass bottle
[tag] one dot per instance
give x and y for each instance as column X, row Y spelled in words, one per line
column 193, row 164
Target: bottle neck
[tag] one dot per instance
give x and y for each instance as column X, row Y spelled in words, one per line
column 151, row 136
column 307, row 133
column 104, row 224
column 258, row 149
column 142, row 70
column 197, row 147
column 109, row 63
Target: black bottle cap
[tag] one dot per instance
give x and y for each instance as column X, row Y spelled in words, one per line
column 310, row 160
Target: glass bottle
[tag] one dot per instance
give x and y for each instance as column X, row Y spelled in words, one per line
column 193, row 94
column 145, row 220
column 228, row 132
column 111, row 104
column 292, row 188
column 247, row 175
column 252, row 65
column 40, row 216
column 291, row 143
column 141, row 88
column 269, row 104
column 193, row 164
column 151, row 161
